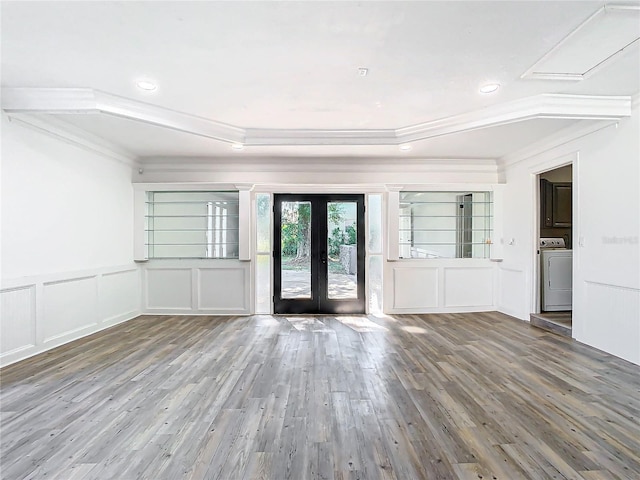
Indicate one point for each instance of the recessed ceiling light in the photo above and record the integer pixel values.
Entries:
(237, 146)
(363, 72)
(405, 147)
(489, 88)
(146, 85)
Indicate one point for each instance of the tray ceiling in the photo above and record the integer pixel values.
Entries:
(272, 68)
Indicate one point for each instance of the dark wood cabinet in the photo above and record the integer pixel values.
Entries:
(556, 211)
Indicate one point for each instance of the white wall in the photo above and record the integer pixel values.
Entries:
(606, 286)
(67, 242)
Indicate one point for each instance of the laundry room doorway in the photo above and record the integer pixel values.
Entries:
(555, 250)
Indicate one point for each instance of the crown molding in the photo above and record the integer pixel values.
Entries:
(349, 188)
(175, 186)
(72, 135)
(163, 117)
(265, 187)
(49, 100)
(553, 106)
(585, 107)
(283, 137)
(85, 100)
(319, 164)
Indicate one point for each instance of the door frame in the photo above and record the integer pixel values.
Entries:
(535, 264)
(319, 303)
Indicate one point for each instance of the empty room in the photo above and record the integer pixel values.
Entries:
(291, 240)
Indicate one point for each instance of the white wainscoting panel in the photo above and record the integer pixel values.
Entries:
(119, 294)
(439, 285)
(43, 312)
(612, 320)
(69, 306)
(168, 288)
(468, 286)
(197, 287)
(512, 288)
(18, 314)
(218, 289)
(415, 287)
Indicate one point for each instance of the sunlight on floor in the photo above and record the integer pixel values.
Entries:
(411, 329)
(266, 321)
(361, 324)
(308, 324)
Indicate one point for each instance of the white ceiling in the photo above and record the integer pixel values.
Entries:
(294, 65)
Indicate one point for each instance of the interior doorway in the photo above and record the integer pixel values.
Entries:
(319, 253)
(555, 251)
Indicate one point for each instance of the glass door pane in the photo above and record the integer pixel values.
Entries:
(342, 261)
(295, 250)
(263, 253)
(319, 261)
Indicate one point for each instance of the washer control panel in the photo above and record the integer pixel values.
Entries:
(552, 243)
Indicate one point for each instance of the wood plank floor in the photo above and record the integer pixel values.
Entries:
(471, 396)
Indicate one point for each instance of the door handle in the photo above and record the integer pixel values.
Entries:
(323, 257)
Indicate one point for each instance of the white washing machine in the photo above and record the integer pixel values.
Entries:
(557, 275)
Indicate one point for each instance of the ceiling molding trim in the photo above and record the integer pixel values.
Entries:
(295, 179)
(89, 101)
(560, 138)
(72, 135)
(585, 107)
(265, 187)
(287, 162)
(175, 186)
(149, 169)
(369, 187)
(553, 106)
(49, 100)
(279, 164)
(163, 117)
(449, 187)
(319, 167)
(285, 137)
